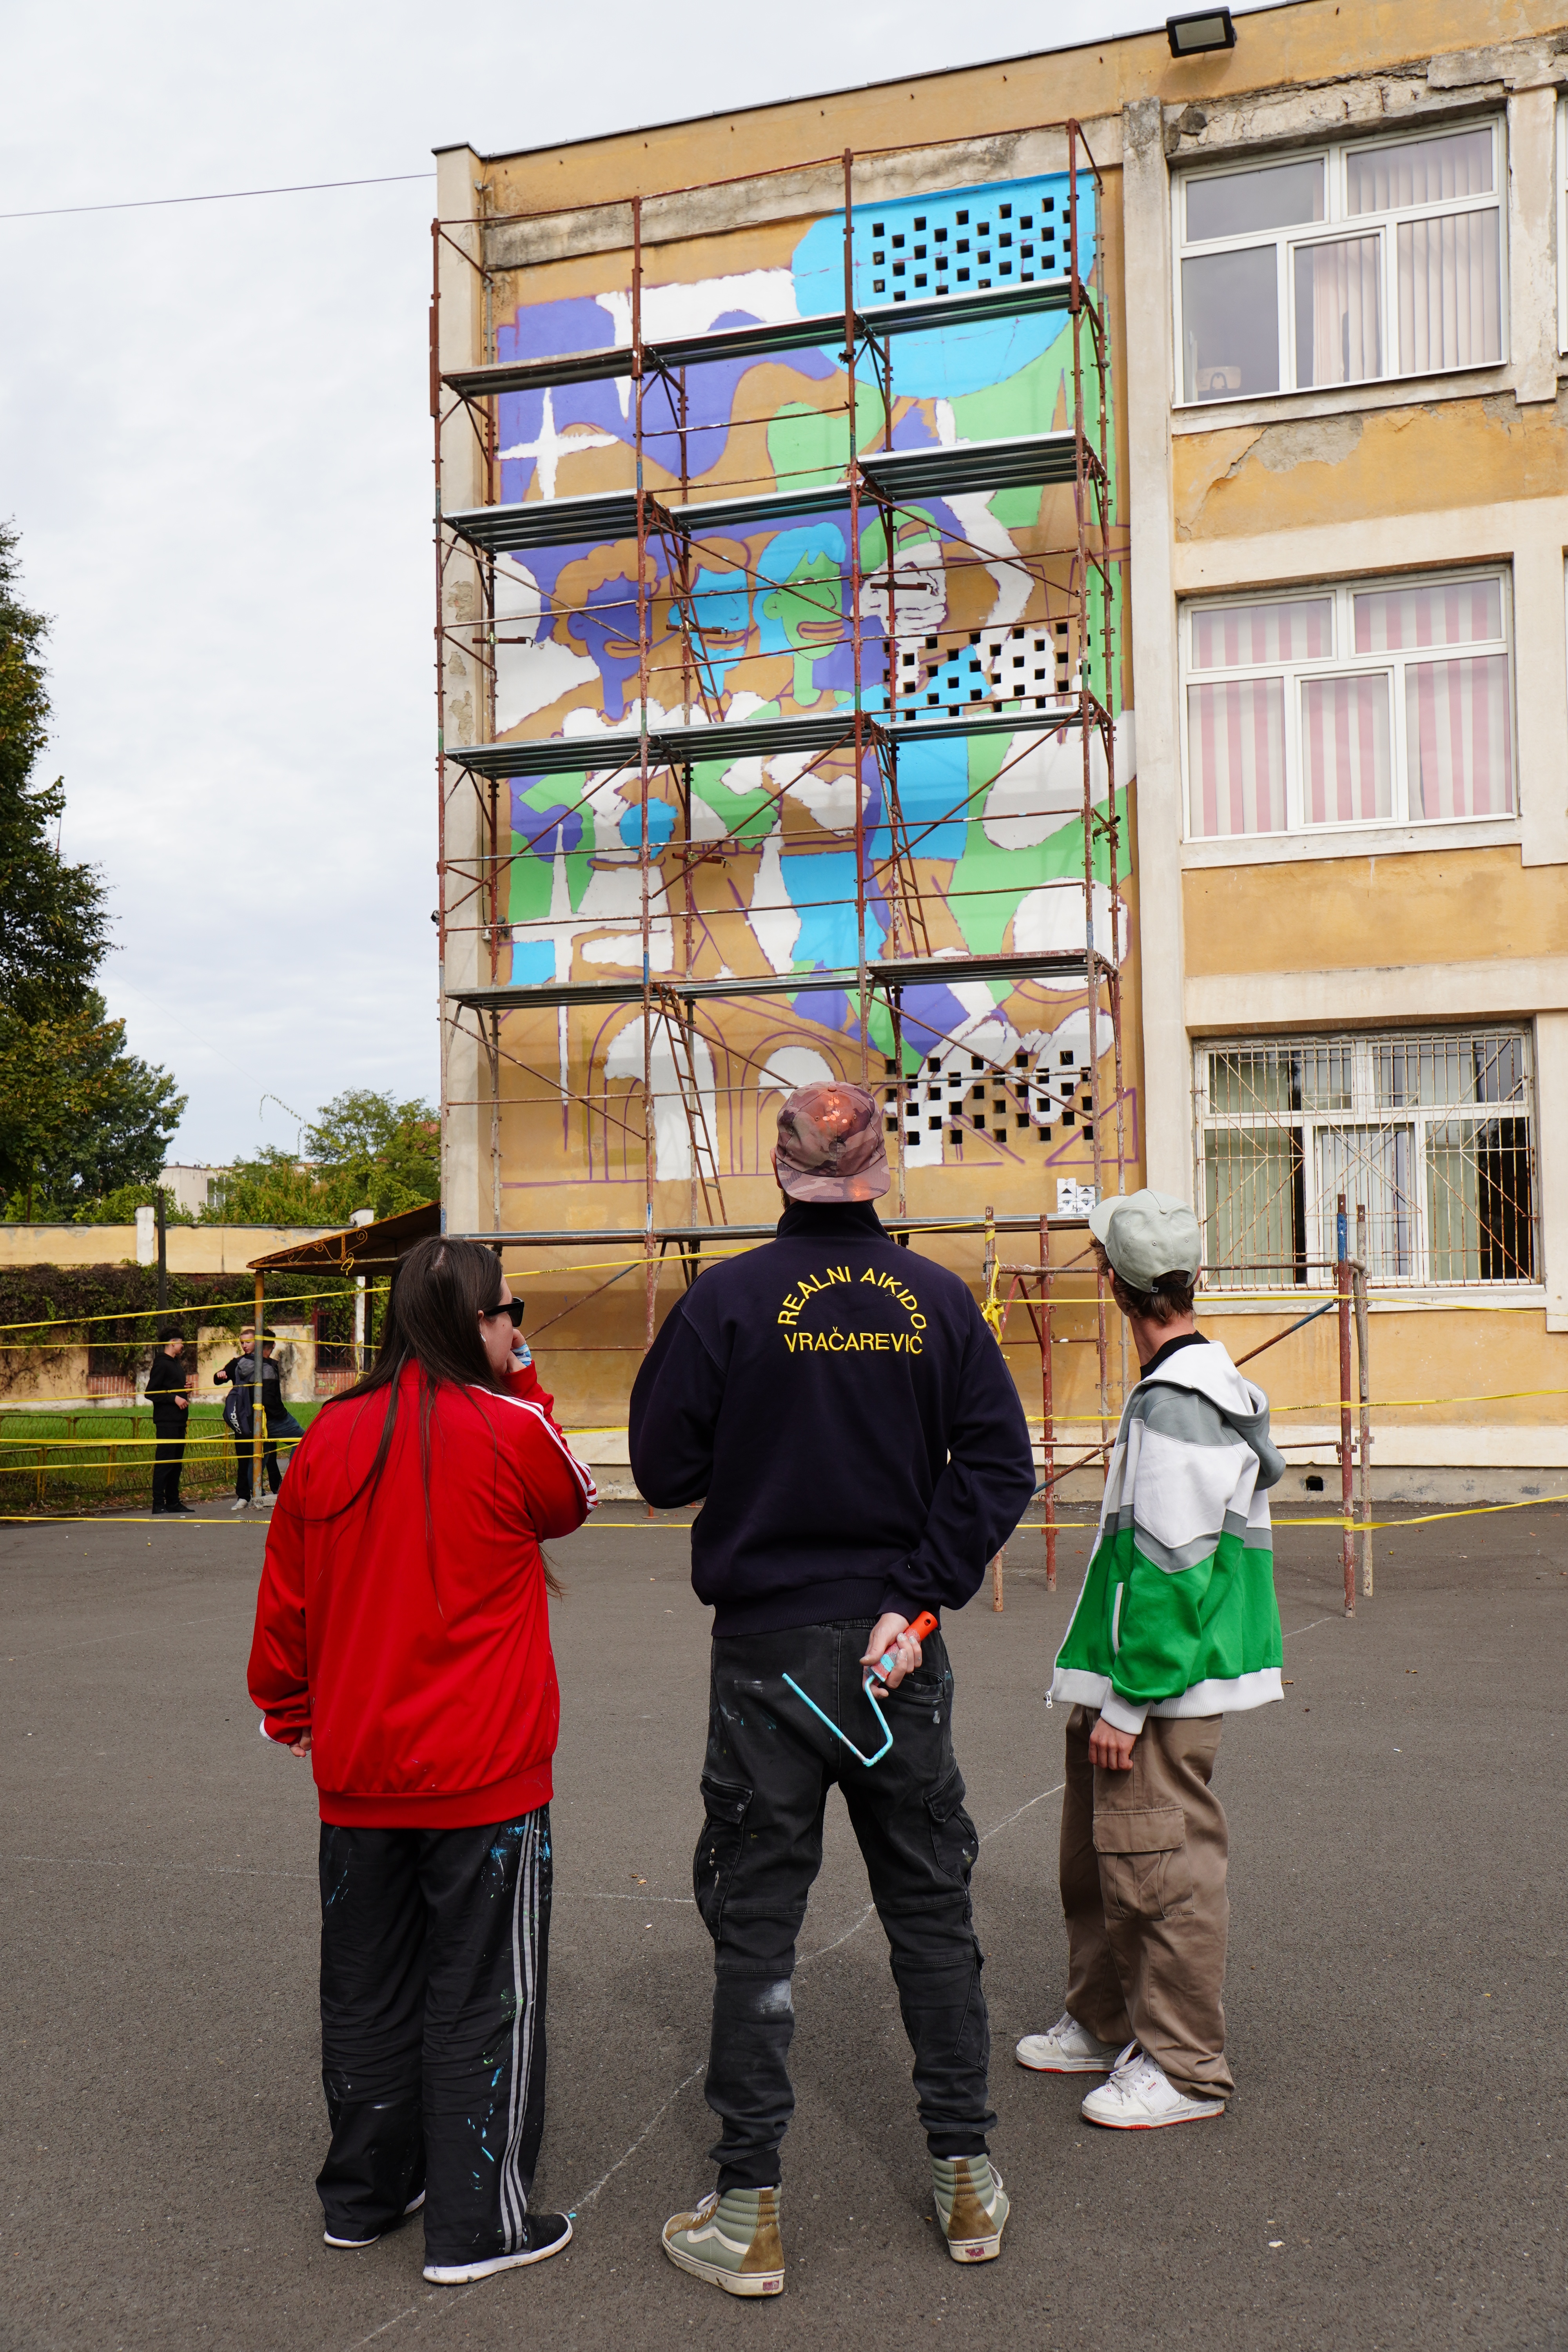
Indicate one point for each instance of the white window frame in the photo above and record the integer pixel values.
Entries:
(1337, 224)
(1563, 226)
(1364, 1117)
(1343, 661)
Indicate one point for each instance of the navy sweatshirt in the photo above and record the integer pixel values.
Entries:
(843, 1407)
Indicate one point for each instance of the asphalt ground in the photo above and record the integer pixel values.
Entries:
(1390, 2172)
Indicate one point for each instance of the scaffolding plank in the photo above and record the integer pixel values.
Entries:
(909, 972)
(611, 1236)
(1030, 459)
(942, 311)
(747, 739)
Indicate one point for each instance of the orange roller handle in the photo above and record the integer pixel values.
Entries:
(924, 1626)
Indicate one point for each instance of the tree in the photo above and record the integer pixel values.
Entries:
(368, 1151)
(81, 1114)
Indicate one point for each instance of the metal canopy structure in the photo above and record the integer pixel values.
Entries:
(943, 691)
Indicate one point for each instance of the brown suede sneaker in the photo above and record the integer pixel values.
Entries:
(732, 2241)
(971, 2206)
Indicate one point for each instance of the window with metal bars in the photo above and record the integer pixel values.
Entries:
(1431, 1132)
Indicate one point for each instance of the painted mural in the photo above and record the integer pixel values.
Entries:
(966, 611)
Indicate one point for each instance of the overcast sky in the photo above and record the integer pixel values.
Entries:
(215, 441)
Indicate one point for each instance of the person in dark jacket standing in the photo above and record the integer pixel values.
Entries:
(167, 1385)
(849, 1419)
(239, 1413)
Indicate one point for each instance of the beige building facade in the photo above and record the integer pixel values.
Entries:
(1324, 885)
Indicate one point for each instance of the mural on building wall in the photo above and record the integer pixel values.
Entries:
(994, 822)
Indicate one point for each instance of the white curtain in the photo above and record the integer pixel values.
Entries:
(1342, 302)
(1450, 308)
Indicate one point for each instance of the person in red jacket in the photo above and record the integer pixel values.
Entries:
(403, 1644)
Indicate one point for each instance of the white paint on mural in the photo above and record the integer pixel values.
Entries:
(773, 918)
(672, 1137)
(1051, 920)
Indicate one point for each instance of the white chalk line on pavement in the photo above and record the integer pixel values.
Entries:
(819, 1954)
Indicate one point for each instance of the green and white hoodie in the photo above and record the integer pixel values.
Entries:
(1177, 1615)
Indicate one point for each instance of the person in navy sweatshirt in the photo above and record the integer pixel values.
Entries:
(847, 1414)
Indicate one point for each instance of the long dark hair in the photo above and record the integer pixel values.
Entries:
(438, 1293)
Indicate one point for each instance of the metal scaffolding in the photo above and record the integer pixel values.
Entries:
(913, 700)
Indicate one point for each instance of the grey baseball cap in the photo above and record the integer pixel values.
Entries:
(1146, 1234)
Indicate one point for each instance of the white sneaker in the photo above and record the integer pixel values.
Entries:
(1069, 2048)
(1141, 2096)
(240, 1506)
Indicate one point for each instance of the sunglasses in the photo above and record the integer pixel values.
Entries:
(514, 1308)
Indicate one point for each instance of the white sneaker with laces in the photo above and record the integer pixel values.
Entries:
(1069, 2048)
(1141, 2096)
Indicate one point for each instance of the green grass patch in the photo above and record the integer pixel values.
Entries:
(65, 1462)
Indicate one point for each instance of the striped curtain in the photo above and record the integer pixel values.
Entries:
(1459, 738)
(1450, 295)
(1235, 736)
(1232, 636)
(1346, 750)
(1401, 620)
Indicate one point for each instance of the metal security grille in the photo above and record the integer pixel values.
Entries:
(1432, 1134)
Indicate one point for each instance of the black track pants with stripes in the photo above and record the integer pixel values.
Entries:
(434, 1944)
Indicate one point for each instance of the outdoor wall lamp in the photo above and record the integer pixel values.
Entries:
(1190, 36)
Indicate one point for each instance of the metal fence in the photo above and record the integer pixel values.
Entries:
(1432, 1132)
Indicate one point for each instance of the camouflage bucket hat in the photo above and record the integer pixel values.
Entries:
(830, 1144)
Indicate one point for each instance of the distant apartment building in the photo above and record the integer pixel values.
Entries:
(1318, 627)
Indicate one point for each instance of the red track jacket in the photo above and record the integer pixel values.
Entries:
(413, 1644)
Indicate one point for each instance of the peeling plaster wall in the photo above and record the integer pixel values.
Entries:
(1416, 460)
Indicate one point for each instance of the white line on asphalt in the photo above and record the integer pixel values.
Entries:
(1335, 1620)
(1008, 1819)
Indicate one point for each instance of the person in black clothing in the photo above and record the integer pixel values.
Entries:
(849, 1419)
(167, 1386)
(239, 1373)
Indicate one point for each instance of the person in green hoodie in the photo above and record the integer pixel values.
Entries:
(1176, 1626)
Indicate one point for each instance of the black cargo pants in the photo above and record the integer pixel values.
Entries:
(769, 1767)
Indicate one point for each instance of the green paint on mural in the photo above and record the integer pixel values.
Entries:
(807, 447)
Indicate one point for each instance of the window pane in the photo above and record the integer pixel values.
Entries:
(1372, 1166)
(1457, 723)
(1231, 321)
(1255, 1081)
(1339, 311)
(1479, 1201)
(1452, 1069)
(1252, 1205)
(1239, 204)
(1450, 311)
(1236, 752)
(1345, 749)
(1234, 637)
(1419, 172)
(1457, 613)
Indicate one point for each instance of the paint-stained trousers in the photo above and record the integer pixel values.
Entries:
(769, 1767)
(434, 1947)
(1144, 1856)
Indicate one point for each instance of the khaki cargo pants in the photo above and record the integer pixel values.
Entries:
(1143, 1876)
